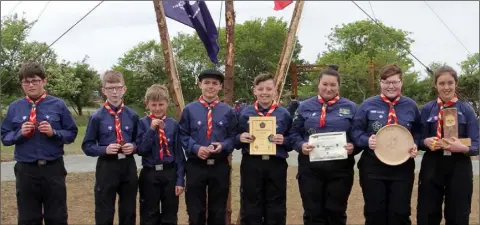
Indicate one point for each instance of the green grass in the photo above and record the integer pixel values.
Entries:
(72, 149)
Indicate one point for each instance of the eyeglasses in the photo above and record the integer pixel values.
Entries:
(33, 82)
(395, 83)
(110, 89)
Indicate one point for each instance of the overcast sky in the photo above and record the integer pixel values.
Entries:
(116, 27)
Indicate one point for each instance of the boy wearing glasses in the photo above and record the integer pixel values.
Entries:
(110, 135)
(39, 125)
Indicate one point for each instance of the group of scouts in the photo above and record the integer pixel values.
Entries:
(197, 147)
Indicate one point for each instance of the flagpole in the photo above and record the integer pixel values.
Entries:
(229, 82)
(288, 48)
(230, 51)
(173, 79)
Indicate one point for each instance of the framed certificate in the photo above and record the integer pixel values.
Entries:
(328, 146)
(263, 128)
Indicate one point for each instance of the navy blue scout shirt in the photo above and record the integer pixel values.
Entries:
(467, 124)
(307, 122)
(372, 115)
(284, 122)
(149, 146)
(101, 130)
(39, 146)
(193, 129)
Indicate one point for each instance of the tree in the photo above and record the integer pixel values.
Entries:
(142, 66)
(75, 83)
(353, 46)
(469, 81)
(15, 49)
(258, 45)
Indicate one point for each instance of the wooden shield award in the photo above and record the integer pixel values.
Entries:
(393, 143)
(450, 128)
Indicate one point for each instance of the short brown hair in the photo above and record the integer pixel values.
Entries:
(332, 70)
(157, 92)
(31, 69)
(262, 77)
(112, 76)
(390, 70)
(445, 69)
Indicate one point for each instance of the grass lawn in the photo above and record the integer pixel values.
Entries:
(72, 149)
(81, 200)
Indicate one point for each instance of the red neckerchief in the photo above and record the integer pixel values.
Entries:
(118, 126)
(332, 101)
(270, 110)
(391, 111)
(33, 112)
(209, 114)
(162, 137)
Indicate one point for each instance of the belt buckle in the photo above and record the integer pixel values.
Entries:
(447, 153)
(159, 167)
(210, 162)
(265, 157)
(42, 162)
(121, 156)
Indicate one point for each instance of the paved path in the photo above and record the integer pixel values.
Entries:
(82, 163)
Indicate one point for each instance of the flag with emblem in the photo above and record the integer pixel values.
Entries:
(195, 14)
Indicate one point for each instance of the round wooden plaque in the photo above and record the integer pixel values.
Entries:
(393, 143)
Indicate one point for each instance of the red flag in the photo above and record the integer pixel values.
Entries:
(279, 5)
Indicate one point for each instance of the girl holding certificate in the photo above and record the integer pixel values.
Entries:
(386, 189)
(324, 185)
(263, 177)
(446, 171)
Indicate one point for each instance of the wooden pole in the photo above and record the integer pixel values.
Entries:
(230, 51)
(294, 80)
(288, 48)
(229, 83)
(173, 79)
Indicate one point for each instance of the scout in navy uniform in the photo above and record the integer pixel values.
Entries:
(324, 185)
(264, 177)
(446, 172)
(39, 125)
(386, 189)
(208, 133)
(162, 179)
(110, 135)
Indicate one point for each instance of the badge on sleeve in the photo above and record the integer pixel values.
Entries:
(345, 111)
(376, 126)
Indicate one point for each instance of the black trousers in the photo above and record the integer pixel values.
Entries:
(41, 187)
(387, 202)
(202, 179)
(324, 194)
(157, 187)
(449, 176)
(263, 190)
(114, 176)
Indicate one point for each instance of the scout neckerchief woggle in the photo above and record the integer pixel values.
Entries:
(323, 116)
(33, 112)
(118, 126)
(391, 111)
(162, 138)
(209, 114)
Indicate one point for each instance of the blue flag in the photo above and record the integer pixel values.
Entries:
(195, 15)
